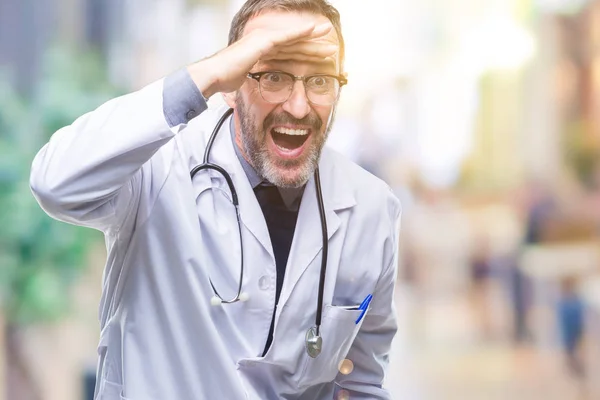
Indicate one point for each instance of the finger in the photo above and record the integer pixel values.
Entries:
(310, 48)
(318, 33)
(321, 30)
(285, 36)
(296, 57)
(305, 33)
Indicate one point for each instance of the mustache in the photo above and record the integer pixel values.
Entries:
(284, 118)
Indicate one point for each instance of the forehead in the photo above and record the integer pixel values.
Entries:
(274, 19)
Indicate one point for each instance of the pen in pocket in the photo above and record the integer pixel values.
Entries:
(364, 306)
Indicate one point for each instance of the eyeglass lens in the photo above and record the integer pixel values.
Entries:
(277, 87)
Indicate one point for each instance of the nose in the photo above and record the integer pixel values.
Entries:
(297, 105)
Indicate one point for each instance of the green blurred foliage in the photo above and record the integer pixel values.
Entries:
(39, 257)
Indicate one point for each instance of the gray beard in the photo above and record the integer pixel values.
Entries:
(254, 142)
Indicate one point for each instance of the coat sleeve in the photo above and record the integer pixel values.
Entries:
(90, 172)
(371, 348)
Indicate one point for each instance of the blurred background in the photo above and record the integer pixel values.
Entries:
(483, 116)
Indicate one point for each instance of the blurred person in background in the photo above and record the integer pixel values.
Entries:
(570, 317)
(174, 242)
(538, 206)
(481, 271)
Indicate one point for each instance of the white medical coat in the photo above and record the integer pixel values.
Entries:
(121, 169)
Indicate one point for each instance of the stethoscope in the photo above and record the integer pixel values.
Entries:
(314, 341)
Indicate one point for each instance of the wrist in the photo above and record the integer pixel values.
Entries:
(204, 77)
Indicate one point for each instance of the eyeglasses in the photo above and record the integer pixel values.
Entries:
(277, 86)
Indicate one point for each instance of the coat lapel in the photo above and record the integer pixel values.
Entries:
(308, 239)
(223, 154)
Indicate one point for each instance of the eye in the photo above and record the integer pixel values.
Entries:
(321, 84)
(272, 77)
(319, 81)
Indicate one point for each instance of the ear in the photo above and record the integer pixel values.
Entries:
(230, 98)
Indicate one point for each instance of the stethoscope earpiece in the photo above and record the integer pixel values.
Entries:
(215, 301)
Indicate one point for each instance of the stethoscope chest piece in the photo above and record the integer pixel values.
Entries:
(314, 342)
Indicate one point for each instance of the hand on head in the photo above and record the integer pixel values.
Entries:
(226, 71)
(315, 46)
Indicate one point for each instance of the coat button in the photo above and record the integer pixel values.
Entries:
(343, 395)
(264, 283)
(346, 367)
(191, 114)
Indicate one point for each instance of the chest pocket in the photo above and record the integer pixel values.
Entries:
(338, 330)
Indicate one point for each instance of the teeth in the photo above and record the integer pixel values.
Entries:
(293, 132)
(282, 148)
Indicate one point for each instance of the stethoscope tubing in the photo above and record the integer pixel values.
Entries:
(325, 251)
(207, 165)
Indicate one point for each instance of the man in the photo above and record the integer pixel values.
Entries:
(125, 169)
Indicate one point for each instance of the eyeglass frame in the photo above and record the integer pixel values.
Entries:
(304, 78)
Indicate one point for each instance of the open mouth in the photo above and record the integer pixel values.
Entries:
(289, 140)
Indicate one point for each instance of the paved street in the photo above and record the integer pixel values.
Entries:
(447, 349)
